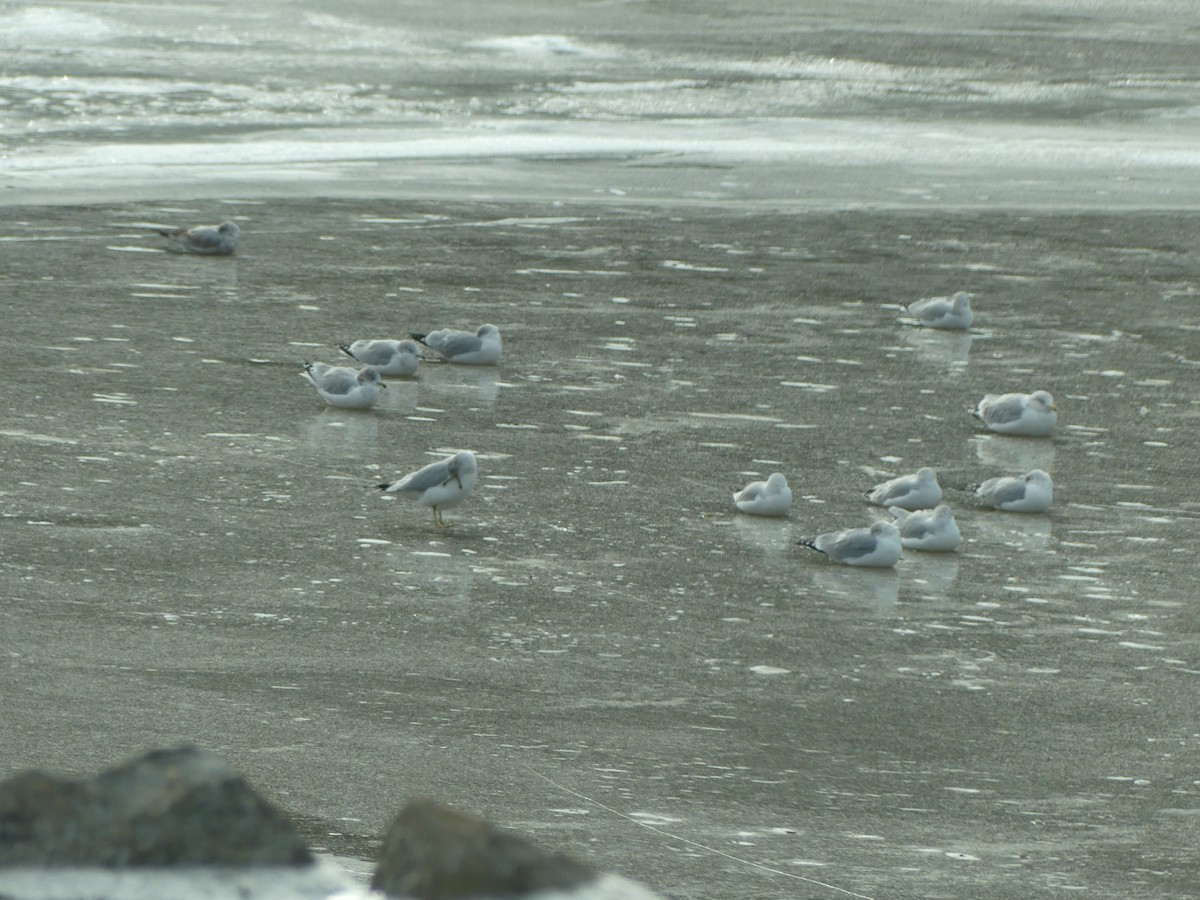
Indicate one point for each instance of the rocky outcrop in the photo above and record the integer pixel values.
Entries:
(179, 807)
(435, 853)
(180, 824)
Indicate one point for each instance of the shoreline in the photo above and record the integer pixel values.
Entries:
(802, 164)
(239, 190)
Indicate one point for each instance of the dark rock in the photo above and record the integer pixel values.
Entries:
(180, 807)
(435, 853)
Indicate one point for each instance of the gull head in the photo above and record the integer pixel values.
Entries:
(370, 375)
(462, 463)
(1043, 398)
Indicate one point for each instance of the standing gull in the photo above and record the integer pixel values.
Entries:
(949, 313)
(1030, 493)
(389, 357)
(917, 491)
(210, 240)
(772, 497)
(439, 485)
(927, 529)
(344, 387)
(1030, 415)
(877, 546)
(479, 349)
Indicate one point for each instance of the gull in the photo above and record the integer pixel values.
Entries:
(772, 497)
(439, 485)
(389, 357)
(211, 240)
(927, 529)
(877, 546)
(1030, 415)
(343, 386)
(1032, 493)
(479, 349)
(917, 491)
(950, 313)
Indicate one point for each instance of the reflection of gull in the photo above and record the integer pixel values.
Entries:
(771, 535)
(772, 497)
(332, 433)
(953, 313)
(932, 575)
(927, 529)
(997, 451)
(1030, 493)
(402, 395)
(479, 349)
(1030, 415)
(488, 384)
(439, 485)
(1017, 532)
(212, 240)
(456, 379)
(389, 357)
(948, 348)
(880, 590)
(917, 491)
(877, 546)
(344, 387)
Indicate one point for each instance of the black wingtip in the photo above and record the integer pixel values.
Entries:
(810, 544)
(345, 348)
(418, 337)
(384, 486)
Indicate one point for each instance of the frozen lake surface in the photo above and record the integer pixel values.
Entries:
(600, 645)
(696, 234)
